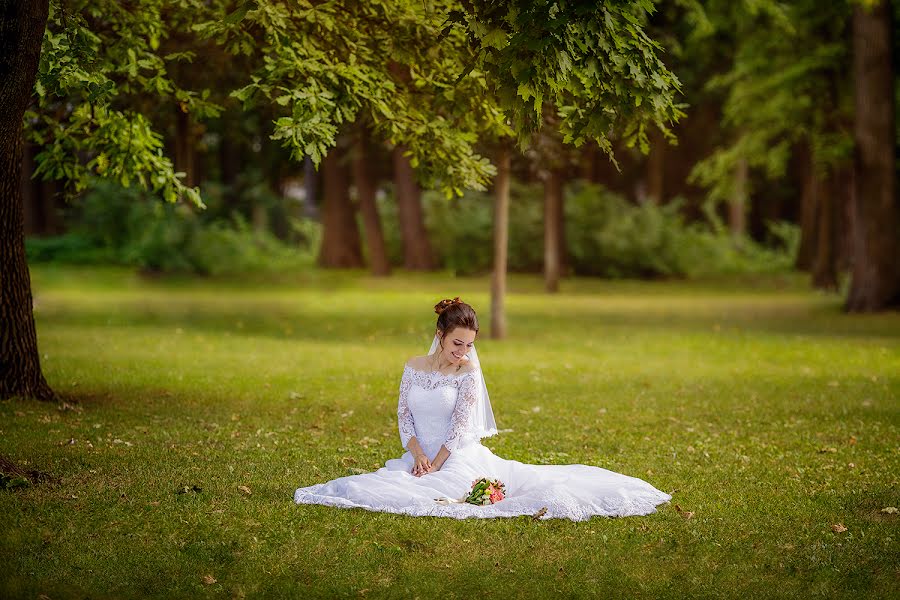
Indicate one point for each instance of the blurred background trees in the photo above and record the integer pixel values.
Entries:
(369, 135)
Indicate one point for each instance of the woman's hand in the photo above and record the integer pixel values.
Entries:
(422, 466)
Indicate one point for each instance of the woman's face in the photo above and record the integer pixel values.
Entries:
(455, 344)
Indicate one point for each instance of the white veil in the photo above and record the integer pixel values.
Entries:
(482, 416)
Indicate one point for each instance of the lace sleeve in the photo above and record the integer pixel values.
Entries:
(404, 416)
(461, 420)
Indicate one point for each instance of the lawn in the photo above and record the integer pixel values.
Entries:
(771, 417)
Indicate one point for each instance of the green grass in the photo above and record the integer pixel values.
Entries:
(762, 408)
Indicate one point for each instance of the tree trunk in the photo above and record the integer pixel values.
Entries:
(737, 205)
(553, 189)
(311, 199)
(21, 32)
(875, 276)
(809, 192)
(501, 244)
(417, 254)
(259, 214)
(184, 146)
(824, 267)
(656, 166)
(340, 234)
(365, 195)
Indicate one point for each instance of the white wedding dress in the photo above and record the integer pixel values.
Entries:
(437, 409)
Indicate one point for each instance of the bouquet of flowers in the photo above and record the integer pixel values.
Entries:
(486, 491)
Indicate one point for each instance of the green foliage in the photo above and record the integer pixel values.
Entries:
(99, 64)
(606, 236)
(325, 65)
(787, 84)
(114, 225)
(609, 237)
(594, 63)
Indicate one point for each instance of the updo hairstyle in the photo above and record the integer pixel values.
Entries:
(455, 313)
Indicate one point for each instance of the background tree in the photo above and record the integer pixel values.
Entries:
(875, 281)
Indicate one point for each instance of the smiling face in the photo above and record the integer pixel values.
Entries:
(455, 344)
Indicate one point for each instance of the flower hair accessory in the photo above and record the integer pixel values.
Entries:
(445, 304)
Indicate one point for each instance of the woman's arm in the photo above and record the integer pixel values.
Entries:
(439, 459)
(407, 428)
(460, 421)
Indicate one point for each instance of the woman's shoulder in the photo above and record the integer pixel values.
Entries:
(419, 363)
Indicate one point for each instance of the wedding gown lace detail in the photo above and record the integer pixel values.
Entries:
(436, 408)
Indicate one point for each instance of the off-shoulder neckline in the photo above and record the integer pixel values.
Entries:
(414, 370)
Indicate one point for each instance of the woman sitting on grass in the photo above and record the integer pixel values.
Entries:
(443, 412)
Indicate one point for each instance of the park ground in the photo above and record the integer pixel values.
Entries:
(195, 408)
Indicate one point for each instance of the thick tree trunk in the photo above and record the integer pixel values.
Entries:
(365, 194)
(553, 191)
(417, 253)
(875, 279)
(340, 234)
(21, 31)
(501, 244)
(737, 205)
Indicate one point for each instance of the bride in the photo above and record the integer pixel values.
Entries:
(443, 413)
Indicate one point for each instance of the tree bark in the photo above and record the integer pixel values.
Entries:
(824, 267)
(656, 167)
(501, 244)
(809, 192)
(365, 194)
(875, 275)
(737, 206)
(553, 190)
(417, 253)
(21, 32)
(340, 234)
(184, 146)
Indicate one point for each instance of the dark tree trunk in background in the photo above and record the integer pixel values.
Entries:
(311, 186)
(184, 146)
(21, 32)
(501, 244)
(340, 234)
(656, 167)
(824, 266)
(417, 254)
(875, 277)
(810, 186)
(737, 205)
(365, 194)
(553, 191)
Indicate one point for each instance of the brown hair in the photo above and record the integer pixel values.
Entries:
(455, 313)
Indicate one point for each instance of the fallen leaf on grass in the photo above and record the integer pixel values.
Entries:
(209, 579)
(827, 450)
(889, 510)
(245, 489)
(536, 516)
(838, 528)
(684, 513)
(189, 488)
